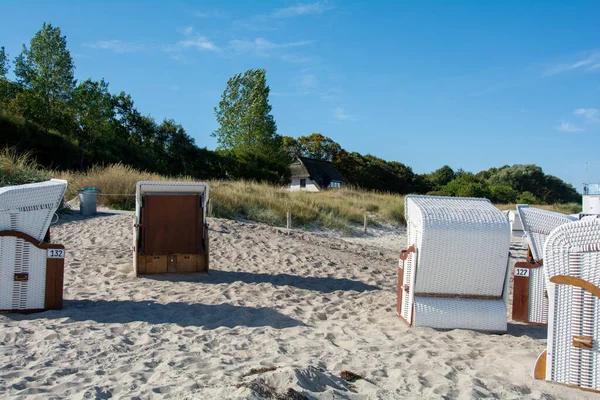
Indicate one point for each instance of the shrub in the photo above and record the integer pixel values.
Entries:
(527, 198)
(503, 194)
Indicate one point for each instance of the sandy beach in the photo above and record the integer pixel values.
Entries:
(303, 305)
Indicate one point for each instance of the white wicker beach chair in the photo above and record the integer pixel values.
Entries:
(31, 271)
(572, 267)
(170, 229)
(530, 302)
(29, 208)
(454, 273)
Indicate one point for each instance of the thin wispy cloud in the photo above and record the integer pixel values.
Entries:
(199, 42)
(263, 47)
(565, 126)
(210, 14)
(274, 19)
(117, 46)
(306, 83)
(588, 62)
(301, 9)
(341, 115)
(590, 114)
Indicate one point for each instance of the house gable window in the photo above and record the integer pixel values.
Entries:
(302, 183)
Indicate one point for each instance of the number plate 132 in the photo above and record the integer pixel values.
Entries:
(56, 253)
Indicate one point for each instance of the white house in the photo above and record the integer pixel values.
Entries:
(313, 175)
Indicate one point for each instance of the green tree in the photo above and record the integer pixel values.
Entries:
(93, 104)
(466, 185)
(527, 198)
(318, 146)
(503, 194)
(291, 147)
(244, 115)
(441, 176)
(46, 69)
(3, 63)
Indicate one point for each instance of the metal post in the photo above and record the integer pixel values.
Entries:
(289, 220)
(365, 227)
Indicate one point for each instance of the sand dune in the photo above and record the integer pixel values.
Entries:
(309, 304)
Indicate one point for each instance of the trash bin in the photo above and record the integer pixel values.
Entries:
(87, 201)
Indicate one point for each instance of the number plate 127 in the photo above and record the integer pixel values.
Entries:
(521, 271)
(56, 253)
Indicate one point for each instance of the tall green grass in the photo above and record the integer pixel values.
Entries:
(19, 168)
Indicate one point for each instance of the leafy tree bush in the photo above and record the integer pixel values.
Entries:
(503, 194)
(466, 185)
(527, 198)
(441, 176)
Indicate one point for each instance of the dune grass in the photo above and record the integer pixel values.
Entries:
(566, 208)
(334, 209)
(342, 209)
(19, 168)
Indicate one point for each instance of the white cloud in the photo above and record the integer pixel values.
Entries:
(301, 9)
(590, 62)
(262, 46)
(199, 42)
(591, 114)
(568, 127)
(187, 31)
(340, 114)
(118, 46)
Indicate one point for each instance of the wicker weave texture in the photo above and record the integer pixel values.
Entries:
(461, 250)
(20, 257)
(463, 245)
(538, 224)
(451, 313)
(538, 302)
(573, 250)
(30, 208)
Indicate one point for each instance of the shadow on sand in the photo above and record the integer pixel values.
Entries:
(324, 285)
(208, 316)
(533, 331)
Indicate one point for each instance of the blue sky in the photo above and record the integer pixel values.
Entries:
(464, 83)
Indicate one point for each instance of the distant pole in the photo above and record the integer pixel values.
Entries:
(365, 226)
(289, 220)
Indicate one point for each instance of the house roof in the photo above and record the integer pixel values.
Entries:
(321, 172)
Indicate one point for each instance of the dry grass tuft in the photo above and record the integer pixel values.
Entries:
(19, 168)
(256, 371)
(350, 376)
(566, 208)
(334, 209)
(341, 209)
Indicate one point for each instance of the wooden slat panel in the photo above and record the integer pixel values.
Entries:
(55, 271)
(520, 305)
(156, 264)
(170, 224)
(50, 282)
(400, 290)
(58, 287)
(188, 263)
